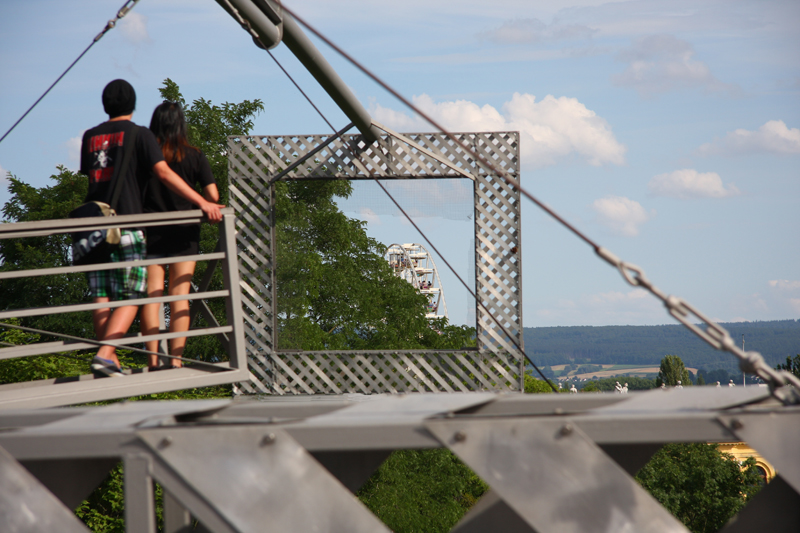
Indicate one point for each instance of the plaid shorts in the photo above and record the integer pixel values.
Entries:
(122, 283)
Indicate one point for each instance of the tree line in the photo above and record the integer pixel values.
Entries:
(646, 345)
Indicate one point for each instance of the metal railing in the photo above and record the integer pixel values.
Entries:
(81, 389)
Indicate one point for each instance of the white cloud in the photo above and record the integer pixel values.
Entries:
(550, 129)
(662, 63)
(370, 216)
(622, 215)
(3, 176)
(134, 28)
(773, 137)
(689, 183)
(780, 300)
(531, 30)
(74, 151)
(784, 284)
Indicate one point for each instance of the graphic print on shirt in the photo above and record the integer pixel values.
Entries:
(99, 146)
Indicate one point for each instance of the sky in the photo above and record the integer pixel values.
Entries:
(668, 131)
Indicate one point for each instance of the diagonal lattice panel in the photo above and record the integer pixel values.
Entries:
(498, 247)
(255, 162)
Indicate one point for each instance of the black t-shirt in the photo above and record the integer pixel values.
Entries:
(193, 168)
(170, 241)
(102, 152)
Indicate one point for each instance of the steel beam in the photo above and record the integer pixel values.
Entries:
(491, 513)
(252, 476)
(775, 436)
(71, 481)
(553, 476)
(140, 516)
(775, 509)
(26, 506)
(177, 518)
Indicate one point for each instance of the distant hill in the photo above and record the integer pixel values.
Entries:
(646, 345)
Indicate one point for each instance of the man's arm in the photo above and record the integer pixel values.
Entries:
(174, 183)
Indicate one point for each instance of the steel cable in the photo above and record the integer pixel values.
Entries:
(126, 7)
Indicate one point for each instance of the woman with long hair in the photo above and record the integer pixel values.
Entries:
(169, 126)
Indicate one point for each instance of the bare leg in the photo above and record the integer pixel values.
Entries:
(100, 318)
(117, 326)
(180, 277)
(151, 319)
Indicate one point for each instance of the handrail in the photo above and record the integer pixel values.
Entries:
(85, 389)
(61, 309)
(12, 230)
(13, 274)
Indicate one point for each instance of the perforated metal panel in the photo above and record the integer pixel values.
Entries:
(256, 162)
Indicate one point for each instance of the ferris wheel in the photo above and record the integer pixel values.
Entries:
(413, 263)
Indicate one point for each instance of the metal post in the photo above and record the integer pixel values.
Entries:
(177, 518)
(139, 505)
(233, 304)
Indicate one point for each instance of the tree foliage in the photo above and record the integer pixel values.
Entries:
(634, 383)
(335, 289)
(672, 371)
(699, 485)
(422, 490)
(29, 204)
(535, 386)
(792, 365)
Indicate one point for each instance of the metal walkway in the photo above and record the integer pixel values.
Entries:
(555, 462)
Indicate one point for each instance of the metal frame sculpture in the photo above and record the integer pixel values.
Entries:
(256, 162)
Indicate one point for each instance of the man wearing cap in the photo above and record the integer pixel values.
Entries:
(101, 157)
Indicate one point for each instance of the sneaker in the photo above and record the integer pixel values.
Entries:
(105, 368)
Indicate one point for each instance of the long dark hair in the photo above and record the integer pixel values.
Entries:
(169, 126)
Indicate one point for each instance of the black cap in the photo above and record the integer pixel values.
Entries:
(119, 98)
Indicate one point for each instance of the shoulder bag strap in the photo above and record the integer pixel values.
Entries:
(126, 157)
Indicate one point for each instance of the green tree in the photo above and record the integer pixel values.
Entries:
(422, 490)
(792, 365)
(28, 204)
(672, 371)
(335, 289)
(634, 383)
(533, 385)
(591, 386)
(699, 485)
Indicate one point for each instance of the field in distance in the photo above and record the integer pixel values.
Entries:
(607, 371)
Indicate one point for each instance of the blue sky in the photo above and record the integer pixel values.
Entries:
(668, 131)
